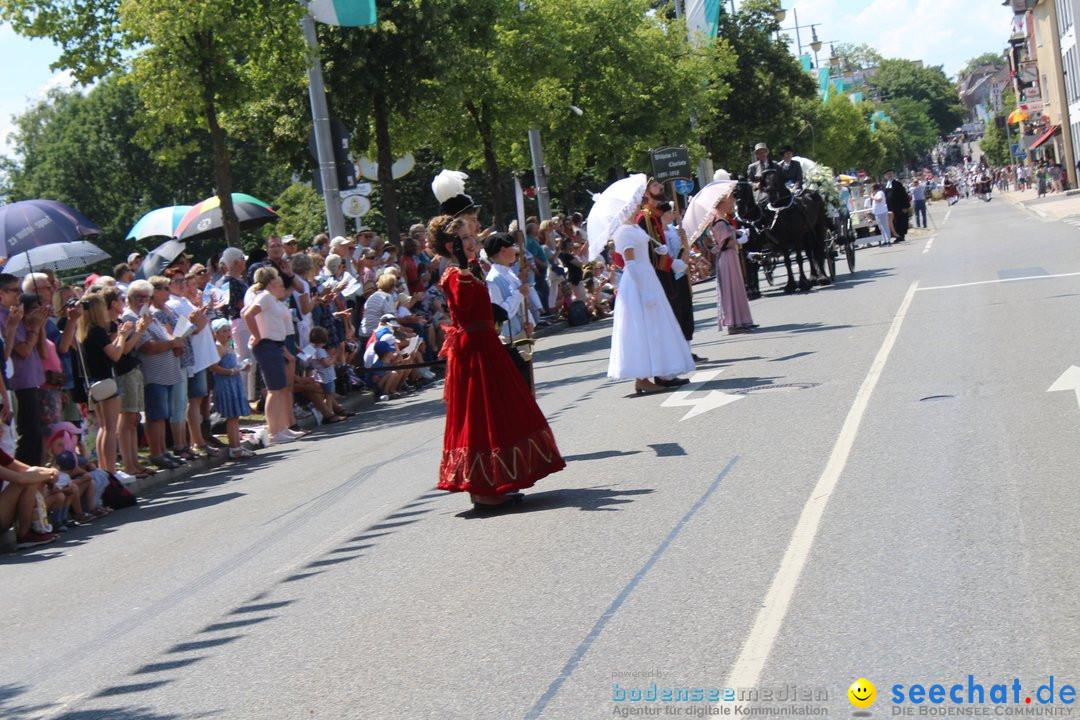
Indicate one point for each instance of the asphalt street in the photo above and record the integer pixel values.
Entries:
(876, 483)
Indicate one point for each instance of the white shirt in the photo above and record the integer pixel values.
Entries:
(203, 347)
(274, 319)
(879, 203)
(512, 303)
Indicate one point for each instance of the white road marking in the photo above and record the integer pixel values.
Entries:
(1069, 380)
(929, 244)
(947, 214)
(713, 400)
(999, 280)
(759, 643)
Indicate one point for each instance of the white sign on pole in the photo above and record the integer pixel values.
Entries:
(355, 206)
(363, 188)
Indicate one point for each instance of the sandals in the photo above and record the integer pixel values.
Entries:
(647, 387)
(334, 419)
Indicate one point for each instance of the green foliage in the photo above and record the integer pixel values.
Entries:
(987, 58)
(843, 140)
(897, 78)
(81, 150)
(857, 56)
(767, 87)
(88, 32)
(302, 213)
(995, 144)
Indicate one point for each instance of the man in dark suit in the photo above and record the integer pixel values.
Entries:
(756, 171)
(899, 202)
(790, 169)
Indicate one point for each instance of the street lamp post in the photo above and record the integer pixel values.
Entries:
(814, 45)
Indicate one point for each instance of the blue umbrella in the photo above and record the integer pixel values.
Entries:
(158, 223)
(160, 258)
(31, 223)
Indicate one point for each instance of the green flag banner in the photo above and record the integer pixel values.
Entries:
(346, 13)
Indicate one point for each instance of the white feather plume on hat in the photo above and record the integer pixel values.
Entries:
(448, 184)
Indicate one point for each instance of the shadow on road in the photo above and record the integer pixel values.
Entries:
(585, 499)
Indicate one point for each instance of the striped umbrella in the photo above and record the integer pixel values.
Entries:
(204, 219)
(158, 223)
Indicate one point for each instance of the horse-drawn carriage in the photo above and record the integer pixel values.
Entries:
(812, 222)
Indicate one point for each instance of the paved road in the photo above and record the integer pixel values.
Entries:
(875, 484)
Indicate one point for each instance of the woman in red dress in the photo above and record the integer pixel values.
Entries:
(497, 440)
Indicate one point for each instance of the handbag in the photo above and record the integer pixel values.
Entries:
(102, 389)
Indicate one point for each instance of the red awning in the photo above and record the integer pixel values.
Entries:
(1046, 136)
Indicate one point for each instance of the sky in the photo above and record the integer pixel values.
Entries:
(938, 32)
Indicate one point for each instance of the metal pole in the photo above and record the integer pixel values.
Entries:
(543, 198)
(335, 221)
(678, 10)
(798, 39)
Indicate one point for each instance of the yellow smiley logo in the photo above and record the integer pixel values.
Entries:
(862, 693)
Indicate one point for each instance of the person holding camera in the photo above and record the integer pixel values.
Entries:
(103, 345)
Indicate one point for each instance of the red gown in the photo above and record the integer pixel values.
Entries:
(497, 439)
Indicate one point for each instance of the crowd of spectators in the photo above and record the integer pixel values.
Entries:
(95, 372)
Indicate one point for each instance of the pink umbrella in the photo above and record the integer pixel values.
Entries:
(699, 212)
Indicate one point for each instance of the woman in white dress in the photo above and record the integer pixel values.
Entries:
(646, 340)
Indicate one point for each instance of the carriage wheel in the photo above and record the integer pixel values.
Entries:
(830, 254)
(849, 253)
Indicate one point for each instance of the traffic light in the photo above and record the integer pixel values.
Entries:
(346, 169)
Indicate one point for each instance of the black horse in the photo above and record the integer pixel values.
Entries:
(784, 223)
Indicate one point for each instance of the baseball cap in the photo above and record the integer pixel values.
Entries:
(364, 229)
(218, 324)
(339, 241)
(288, 240)
(382, 347)
(389, 319)
(133, 257)
(90, 280)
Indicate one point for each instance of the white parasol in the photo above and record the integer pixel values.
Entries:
(611, 208)
(58, 256)
(699, 211)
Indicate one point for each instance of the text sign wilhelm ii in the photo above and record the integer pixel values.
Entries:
(671, 163)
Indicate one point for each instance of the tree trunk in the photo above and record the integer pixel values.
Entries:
(386, 163)
(222, 170)
(481, 117)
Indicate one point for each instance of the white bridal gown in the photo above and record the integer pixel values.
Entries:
(646, 341)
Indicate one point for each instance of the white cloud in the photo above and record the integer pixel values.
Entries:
(938, 32)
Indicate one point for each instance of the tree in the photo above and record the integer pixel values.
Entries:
(994, 59)
(88, 32)
(71, 136)
(202, 59)
(857, 56)
(843, 134)
(897, 78)
(376, 75)
(302, 212)
(764, 102)
(994, 143)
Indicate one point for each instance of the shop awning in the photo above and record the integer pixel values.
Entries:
(1045, 136)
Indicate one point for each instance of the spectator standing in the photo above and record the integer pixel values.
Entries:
(130, 379)
(269, 321)
(234, 288)
(881, 212)
(159, 353)
(28, 374)
(230, 400)
(203, 354)
(102, 348)
(918, 200)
